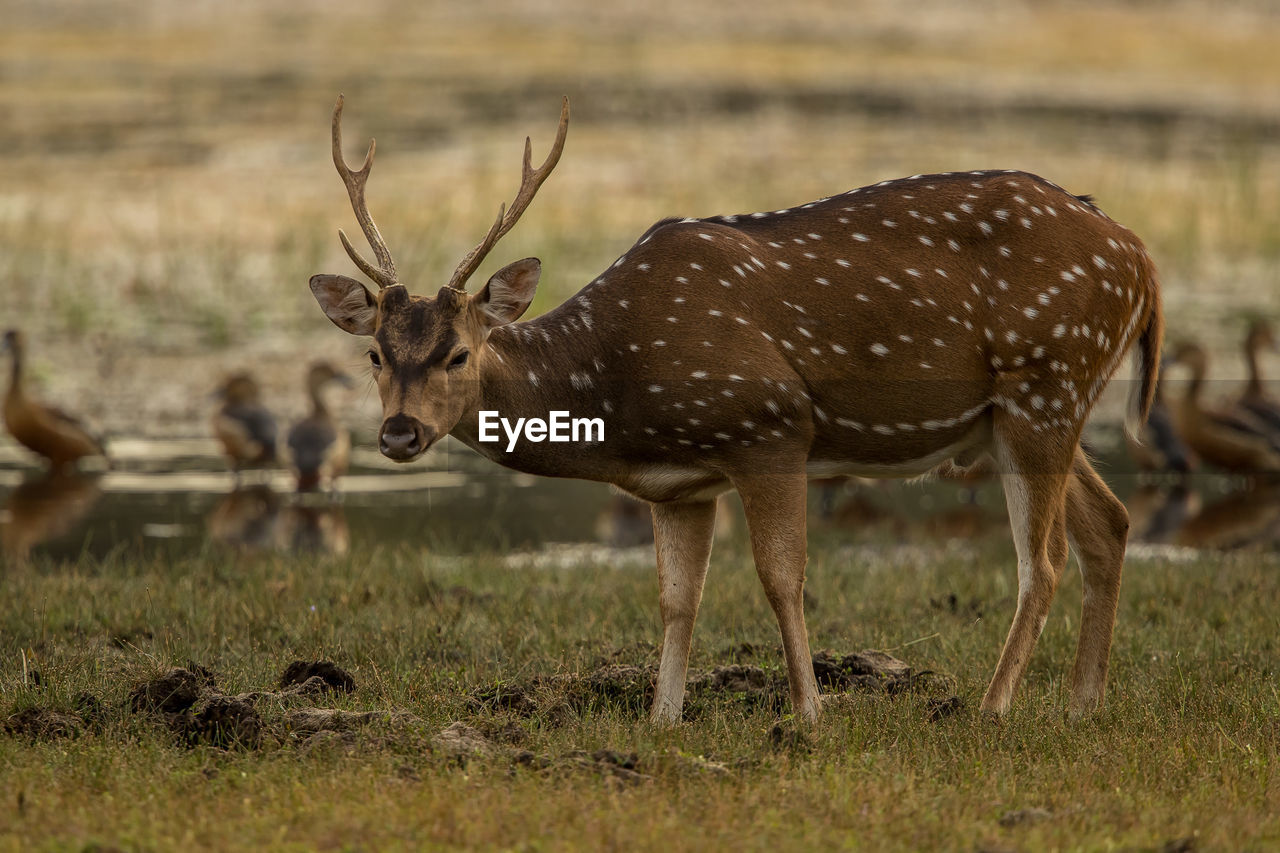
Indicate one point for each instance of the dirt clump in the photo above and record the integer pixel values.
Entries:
(222, 721)
(333, 676)
(171, 693)
(622, 685)
(39, 723)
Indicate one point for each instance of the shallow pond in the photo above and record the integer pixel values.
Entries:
(175, 497)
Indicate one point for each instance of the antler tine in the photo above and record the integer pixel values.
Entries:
(530, 180)
(385, 272)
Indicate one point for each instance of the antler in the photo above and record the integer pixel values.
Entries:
(385, 272)
(530, 181)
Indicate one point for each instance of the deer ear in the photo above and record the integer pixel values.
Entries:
(346, 302)
(509, 292)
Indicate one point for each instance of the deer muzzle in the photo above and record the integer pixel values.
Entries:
(404, 438)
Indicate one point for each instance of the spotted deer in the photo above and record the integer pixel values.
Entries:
(887, 331)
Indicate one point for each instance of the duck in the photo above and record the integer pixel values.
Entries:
(244, 426)
(319, 446)
(50, 432)
(1228, 439)
(1255, 400)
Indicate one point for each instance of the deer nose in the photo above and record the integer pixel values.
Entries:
(404, 438)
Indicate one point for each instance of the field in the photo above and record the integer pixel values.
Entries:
(1184, 756)
(166, 191)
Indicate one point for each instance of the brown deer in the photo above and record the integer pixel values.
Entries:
(885, 331)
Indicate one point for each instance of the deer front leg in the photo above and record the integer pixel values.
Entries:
(682, 534)
(775, 508)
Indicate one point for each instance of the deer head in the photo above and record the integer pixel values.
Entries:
(426, 352)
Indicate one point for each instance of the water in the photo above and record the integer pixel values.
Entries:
(175, 497)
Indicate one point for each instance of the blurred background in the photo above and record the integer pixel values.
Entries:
(166, 190)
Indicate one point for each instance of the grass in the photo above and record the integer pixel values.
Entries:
(1185, 748)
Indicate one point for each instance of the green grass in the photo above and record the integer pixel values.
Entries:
(1186, 746)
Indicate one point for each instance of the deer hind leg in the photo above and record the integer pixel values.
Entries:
(1098, 526)
(682, 534)
(1033, 470)
(775, 510)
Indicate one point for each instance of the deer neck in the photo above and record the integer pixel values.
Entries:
(530, 370)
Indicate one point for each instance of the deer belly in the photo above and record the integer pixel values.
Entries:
(896, 452)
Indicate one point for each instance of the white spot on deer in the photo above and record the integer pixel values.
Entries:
(706, 236)
(533, 377)
(822, 281)
(699, 374)
(842, 262)
(888, 223)
(659, 343)
(1030, 312)
(848, 424)
(880, 349)
(672, 320)
(838, 350)
(906, 339)
(925, 240)
(695, 266)
(913, 272)
(783, 264)
(883, 429)
(741, 321)
(985, 227)
(861, 238)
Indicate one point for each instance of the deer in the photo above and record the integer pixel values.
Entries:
(930, 322)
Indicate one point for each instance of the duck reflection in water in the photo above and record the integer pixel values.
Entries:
(254, 518)
(1176, 515)
(45, 508)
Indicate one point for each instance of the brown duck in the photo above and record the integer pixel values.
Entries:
(319, 446)
(245, 427)
(1229, 439)
(50, 432)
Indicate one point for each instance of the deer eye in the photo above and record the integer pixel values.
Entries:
(458, 360)
(374, 360)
